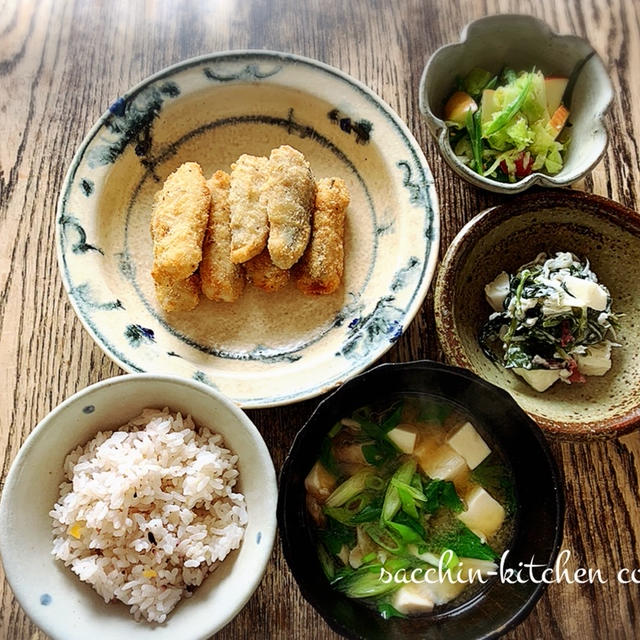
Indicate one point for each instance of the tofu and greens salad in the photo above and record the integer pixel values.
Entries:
(552, 321)
(509, 125)
(404, 489)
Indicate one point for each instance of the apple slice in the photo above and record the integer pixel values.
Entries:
(554, 87)
(488, 105)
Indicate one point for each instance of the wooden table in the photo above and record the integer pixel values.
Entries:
(62, 64)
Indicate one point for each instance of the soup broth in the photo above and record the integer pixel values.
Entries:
(412, 505)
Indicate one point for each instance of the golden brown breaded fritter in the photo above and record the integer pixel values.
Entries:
(179, 295)
(289, 192)
(221, 280)
(178, 223)
(249, 224)
(262, 273)
(321, 267)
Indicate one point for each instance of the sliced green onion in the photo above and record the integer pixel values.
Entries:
(335, 430)
(349, 488)
(474, 129)
(393, 420)
(365, 584)
(375, 482)
(407, 534)
(407, 502)
(392, 499)
(326, 562)
(414, 493)
(386, 539)
(505, 117)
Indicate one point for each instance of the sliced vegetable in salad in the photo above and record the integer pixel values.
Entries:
(433, 495)
(508, 125)
(553, 321)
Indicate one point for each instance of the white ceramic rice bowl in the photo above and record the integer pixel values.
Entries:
(50, 593)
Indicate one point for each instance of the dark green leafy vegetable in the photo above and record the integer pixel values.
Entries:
(533, 338)
(441, 493)
(436, 411)
(393, 420)
(327, 459)
(326, 562)
(463, 542)
(496, 479)
(387, 611)
(413, 523)
(378, 453)
(337, 534)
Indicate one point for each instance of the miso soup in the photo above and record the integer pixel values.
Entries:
(412, 505)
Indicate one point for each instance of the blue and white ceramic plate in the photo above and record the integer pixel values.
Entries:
(266, 349)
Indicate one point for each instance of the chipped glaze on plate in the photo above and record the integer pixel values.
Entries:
(265, 349)
(507, 236)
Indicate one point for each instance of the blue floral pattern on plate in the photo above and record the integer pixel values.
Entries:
(261, 351)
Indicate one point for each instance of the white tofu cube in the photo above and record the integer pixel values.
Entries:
(442, 463)
(539, 379)
(483, 512)
(497, 291)
(410, 598)
(319, 482)
(472, 568)
(591, 294)
(441, 592)
(404, 437)
(597, 360)
(466, 441)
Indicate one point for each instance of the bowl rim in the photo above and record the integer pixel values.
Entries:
(444, 294)
(439, 130)
(268, 530)
(556, 474)
(430, 264)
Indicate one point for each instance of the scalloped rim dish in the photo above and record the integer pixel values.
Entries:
(597, 92)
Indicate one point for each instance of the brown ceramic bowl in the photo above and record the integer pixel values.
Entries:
(509, 235)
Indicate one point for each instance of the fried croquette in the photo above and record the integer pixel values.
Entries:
(320, 268)
(249, 223)
(178, 223)
(179, 295)
(289, 192)
(221, 280)
(262, 273)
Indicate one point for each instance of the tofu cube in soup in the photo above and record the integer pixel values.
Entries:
(404, 437)
(442, 462)
(411, 598)
(483, 514)
(319, 482)
(467, 442)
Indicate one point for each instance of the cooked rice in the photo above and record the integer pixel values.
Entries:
(147, 511)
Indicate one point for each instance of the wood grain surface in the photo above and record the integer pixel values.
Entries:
(62, 63)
